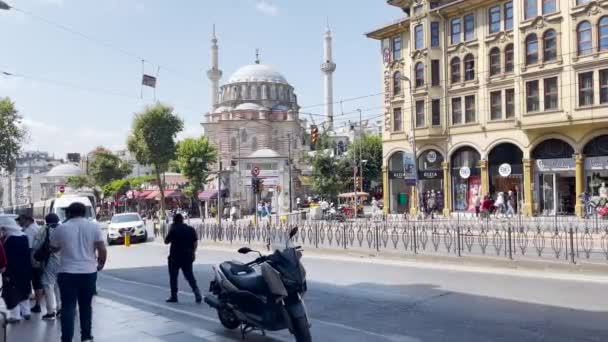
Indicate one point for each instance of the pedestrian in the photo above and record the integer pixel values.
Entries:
(182, 254)
(298, 203)
(500, 204)
(477, 203)
(431, 204)
(511, 203)
(31, 230)
(17, 276)
(233, 213)
(50, 266)
(83, 254)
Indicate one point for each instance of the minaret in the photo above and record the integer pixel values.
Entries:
(214, 73)
(328, 67)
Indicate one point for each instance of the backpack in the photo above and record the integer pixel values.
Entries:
(43, 254)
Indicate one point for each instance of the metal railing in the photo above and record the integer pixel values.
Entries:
(566, 239)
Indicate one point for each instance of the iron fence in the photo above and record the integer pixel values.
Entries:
(571, 240)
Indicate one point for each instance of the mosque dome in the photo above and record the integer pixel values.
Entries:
(65, 170)
(257, 73)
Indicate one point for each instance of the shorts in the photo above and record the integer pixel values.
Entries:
(37, 279)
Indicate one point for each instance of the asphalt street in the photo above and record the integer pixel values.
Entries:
(371, 300)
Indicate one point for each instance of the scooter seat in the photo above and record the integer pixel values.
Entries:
(244, 277)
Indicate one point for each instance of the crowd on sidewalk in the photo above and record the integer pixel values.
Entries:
(55, 265)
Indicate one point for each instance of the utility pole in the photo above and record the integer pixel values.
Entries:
(361, 147)
(289, 163)
(219, 189)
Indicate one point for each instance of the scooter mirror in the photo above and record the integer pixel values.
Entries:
(245, 250)
(293, 232)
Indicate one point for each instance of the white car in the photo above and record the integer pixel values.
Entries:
(131, 223)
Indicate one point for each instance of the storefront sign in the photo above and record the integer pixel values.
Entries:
(504, 170)
(430, 174)
(596, 163)
(431, 156)
(387, 97)
(553, 165)
(409, 167)
(465, 172)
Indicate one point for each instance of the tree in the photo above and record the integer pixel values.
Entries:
(330, 174)
(12, 134)
(368, 148)
(152, 140)
(106, 167)
(78, 182)
(194, 158)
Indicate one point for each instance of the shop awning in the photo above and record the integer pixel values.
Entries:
(152, 195)
(172, 194)
(144, 193)
(206, 195)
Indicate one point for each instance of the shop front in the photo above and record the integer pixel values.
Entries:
(430, 176)
(596, 166)
(400, 174)
(506, 171)
(554, 178)
(466, 180)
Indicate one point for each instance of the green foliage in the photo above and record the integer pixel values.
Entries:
(174, 166)
(331, 175)
(78, 182)
(152, 140)
(119, 187)
(195, 156)
(106, 167)
(12, 135)
(368, 148)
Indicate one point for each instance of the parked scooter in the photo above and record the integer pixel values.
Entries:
(266, 299)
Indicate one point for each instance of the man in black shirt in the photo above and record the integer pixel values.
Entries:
(182, 253)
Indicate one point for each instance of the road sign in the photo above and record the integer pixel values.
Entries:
(62, 188)
(255, 171)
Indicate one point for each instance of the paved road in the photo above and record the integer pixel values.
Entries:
(350, 300)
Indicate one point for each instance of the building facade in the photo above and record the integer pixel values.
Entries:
(254, 122)
(496, 96)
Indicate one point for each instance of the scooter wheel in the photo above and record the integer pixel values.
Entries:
(228, 319)
(301, 330)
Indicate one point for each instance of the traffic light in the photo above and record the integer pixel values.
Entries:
(314, 135)
(254, 185)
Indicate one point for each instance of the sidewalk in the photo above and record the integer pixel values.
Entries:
(113, 322)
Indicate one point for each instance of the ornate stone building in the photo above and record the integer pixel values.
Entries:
(254, 121)
(493, 96)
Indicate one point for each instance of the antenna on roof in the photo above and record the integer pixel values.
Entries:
(257, 56)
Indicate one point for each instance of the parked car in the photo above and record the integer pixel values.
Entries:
(127, 223)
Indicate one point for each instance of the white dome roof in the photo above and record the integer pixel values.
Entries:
(222, 109)
(264, 153)
(248, 106)
(65, 170)
(257, 73)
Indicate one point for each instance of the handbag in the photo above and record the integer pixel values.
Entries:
(43, 254)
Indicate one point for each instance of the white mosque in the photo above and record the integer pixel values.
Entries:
(254, 121)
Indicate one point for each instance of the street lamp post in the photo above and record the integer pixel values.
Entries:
(413, 137)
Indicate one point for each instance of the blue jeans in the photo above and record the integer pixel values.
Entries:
(76, 289)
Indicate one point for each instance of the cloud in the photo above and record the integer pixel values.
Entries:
(267, 7)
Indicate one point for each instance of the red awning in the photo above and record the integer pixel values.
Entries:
(207, 195)
(173, 194)
(152, 195)
(144, 193)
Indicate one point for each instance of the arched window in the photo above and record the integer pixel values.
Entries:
(397, 83)
(494, 61)
(549, 45)
(531, 49)
(583, 38)
(419, 74)
(509, 58)
(603, 33)
(469, 67)
(455, 70)
(233, 144)
(254, 144)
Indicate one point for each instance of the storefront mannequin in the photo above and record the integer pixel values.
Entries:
(603, 191)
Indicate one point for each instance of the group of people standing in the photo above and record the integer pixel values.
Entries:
(59, 258)
(504, 205)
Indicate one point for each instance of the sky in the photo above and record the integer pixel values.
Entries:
(79, 88)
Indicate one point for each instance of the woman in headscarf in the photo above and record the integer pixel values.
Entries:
(17, 279)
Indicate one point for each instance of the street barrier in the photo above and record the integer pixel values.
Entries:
(572, 240)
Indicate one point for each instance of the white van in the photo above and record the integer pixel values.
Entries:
(59, 206)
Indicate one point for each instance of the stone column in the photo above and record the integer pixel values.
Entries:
(580, 183)
(385, 190)
(527, 194)
(447, 194)
(485, 178)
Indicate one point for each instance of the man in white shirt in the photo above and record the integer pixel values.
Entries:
(31, 230)
(83, 253)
